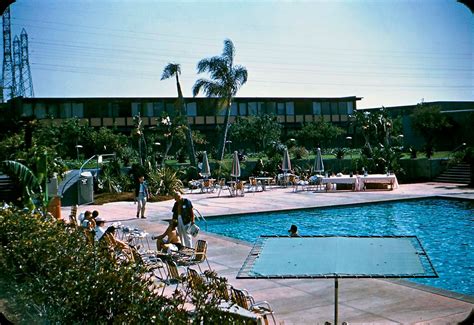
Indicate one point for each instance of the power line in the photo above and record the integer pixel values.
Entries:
(139, 35)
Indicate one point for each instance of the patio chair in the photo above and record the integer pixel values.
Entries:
(195, 256)
(152, 263)
(261, 308)
(195, 280)
(173, 277)
(73, 216)
(207, 185)
(254, 184)
(223, 186)
(194, 185)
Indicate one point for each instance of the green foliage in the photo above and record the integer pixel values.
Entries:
(382, 149)
(339, 153)
(255, 132)
(29, 183)
(299, 152)
(430, 123)
(55, 276)
(164, 181)
(64, 137)
(316, 134)
(10, 146)
(110, 177)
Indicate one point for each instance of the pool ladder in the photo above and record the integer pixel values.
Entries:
(199, 217)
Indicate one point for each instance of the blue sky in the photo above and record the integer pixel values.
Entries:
(388, 52)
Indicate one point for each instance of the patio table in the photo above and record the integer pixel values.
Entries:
(265, 181)
(345, 179)
(377, 178)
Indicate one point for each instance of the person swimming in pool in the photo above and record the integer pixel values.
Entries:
(293, 231)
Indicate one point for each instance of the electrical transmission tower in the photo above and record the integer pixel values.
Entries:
(8, 83)
(16, 73)
(26, 79)
(19, 89)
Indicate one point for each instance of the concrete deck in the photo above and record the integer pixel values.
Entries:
(312, 301)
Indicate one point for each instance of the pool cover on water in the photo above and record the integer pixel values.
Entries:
(337, 256)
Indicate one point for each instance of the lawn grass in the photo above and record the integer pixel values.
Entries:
(104, 198)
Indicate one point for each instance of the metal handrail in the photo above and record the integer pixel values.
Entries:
(199, 216)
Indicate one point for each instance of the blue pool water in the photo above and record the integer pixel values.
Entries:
(444, 227)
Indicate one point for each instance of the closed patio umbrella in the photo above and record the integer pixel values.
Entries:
(235, 166)
(318, 162)
(286, 163)
(286, 166)
(206, 170)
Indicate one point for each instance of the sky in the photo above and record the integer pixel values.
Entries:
(390, 52)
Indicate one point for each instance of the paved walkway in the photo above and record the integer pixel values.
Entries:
(312, 301)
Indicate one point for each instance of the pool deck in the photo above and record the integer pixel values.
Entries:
(312, 301)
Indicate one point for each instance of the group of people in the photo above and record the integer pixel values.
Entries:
(179, 233)
(96, 231)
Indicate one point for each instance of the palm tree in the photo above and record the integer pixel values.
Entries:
(174, 69)
(225, 80)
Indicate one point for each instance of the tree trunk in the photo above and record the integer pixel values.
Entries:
(189, 133)
(169, 144)
(226, 129)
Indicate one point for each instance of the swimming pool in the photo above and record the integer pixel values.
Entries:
(445, 228)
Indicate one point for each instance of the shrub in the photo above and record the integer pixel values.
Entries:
(54, 275)
(165, 181)
(299, 152)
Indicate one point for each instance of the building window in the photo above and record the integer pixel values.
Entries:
(53, 110)
(136, 109)
(271, 108)
(281, 108)
(290, 108)
(27, 110)
(253, 109)
(170, 108)
(342, 108)
(78, 110)
(65, 110)
(40, 110)
(113, 110)
(233, 109)
(243, 109)
(326, 108)
(191, 109)
(148, 109)
(158, 108)
(316, 108)
(350, 108)
(334, 110)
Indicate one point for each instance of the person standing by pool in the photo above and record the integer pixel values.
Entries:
(141, 196)
(184, 216)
